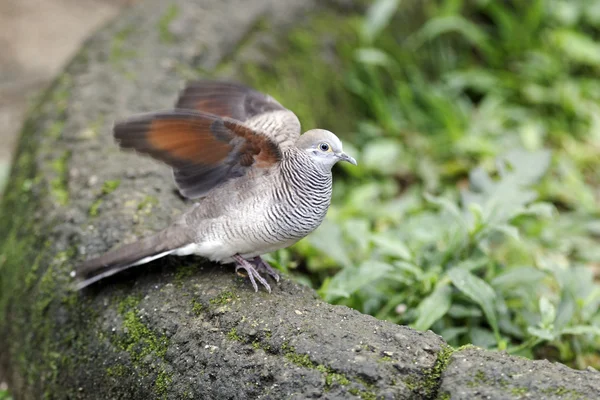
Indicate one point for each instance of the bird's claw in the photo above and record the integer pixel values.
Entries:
(253, 274)
(262, 265)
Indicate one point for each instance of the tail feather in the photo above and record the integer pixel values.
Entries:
(130, 255)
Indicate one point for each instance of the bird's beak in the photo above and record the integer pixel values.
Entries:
(346, 157)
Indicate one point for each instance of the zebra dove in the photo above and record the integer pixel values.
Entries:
(263, 186)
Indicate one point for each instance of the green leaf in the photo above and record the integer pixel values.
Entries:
(518, 276)
(565, 312)
(328, 239)
(508, 230)
(372, 56)
(548, 311)
(433, 307)
(540, 209)
(460, 311)
(483, 337)
(350, 279)
(382, 155)
(578, 47)
(378, 16)
(391, 246)
(449, 334)
(528, 166)
(357, 230)
(541, 333)
(409, 268)
(478, 291)
(581, 330)
(453, 23)
(445, 205)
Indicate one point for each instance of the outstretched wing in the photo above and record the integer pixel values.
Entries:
(204, 150)
(256, 110)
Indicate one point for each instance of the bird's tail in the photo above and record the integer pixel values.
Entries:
(150, 248)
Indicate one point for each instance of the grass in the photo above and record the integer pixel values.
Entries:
(475, 210)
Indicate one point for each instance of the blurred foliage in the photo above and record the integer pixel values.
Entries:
(474, 211)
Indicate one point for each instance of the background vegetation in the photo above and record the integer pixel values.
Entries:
(475, 210)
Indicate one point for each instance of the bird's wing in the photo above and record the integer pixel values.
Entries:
(204, 150)
(256, 110)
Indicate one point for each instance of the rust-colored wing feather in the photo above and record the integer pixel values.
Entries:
(204, 150)
(239, 102)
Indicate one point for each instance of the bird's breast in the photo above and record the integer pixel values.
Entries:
(271, 214)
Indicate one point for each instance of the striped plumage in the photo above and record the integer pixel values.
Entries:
(262, 185)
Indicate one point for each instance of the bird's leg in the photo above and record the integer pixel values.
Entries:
(252, 273)
(262, 265)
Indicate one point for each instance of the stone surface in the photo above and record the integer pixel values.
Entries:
(181, 328)
(476, 374)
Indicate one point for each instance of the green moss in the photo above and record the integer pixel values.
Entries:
(479, 379)
(107, 188)
(518, 391)
(333, 377)
(163, 24)
(139, 340)
(367, 395)
(32, 276)
(110, 186)
(94, 127)
(433, 375)
(94, 207)
(59, 96)
(565, 393)
(30, 268)
(233, 335)
(444, 396)
(197, 307)
(184, 272)
(411, 383)
(147, 203)
(58, 185)
(56, 129)
(223, 299)
(117, 371)
(119, 53)
(301, 360)
(363, 394)
(162, 383)
(128, 303)
(428, 384)
(386, 359)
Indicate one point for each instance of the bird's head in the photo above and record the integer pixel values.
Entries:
(324, 148)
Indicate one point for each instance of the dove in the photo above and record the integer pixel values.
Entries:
(259, 184)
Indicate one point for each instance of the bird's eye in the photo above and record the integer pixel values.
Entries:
(324, 147)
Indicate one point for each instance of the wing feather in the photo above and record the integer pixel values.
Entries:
(233, 100)
(204, 150)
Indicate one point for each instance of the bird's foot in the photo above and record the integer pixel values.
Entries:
(262, 265)
(241, 263)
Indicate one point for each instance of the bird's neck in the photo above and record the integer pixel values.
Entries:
(298, 167)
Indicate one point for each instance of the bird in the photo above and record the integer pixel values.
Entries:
(258, 183)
